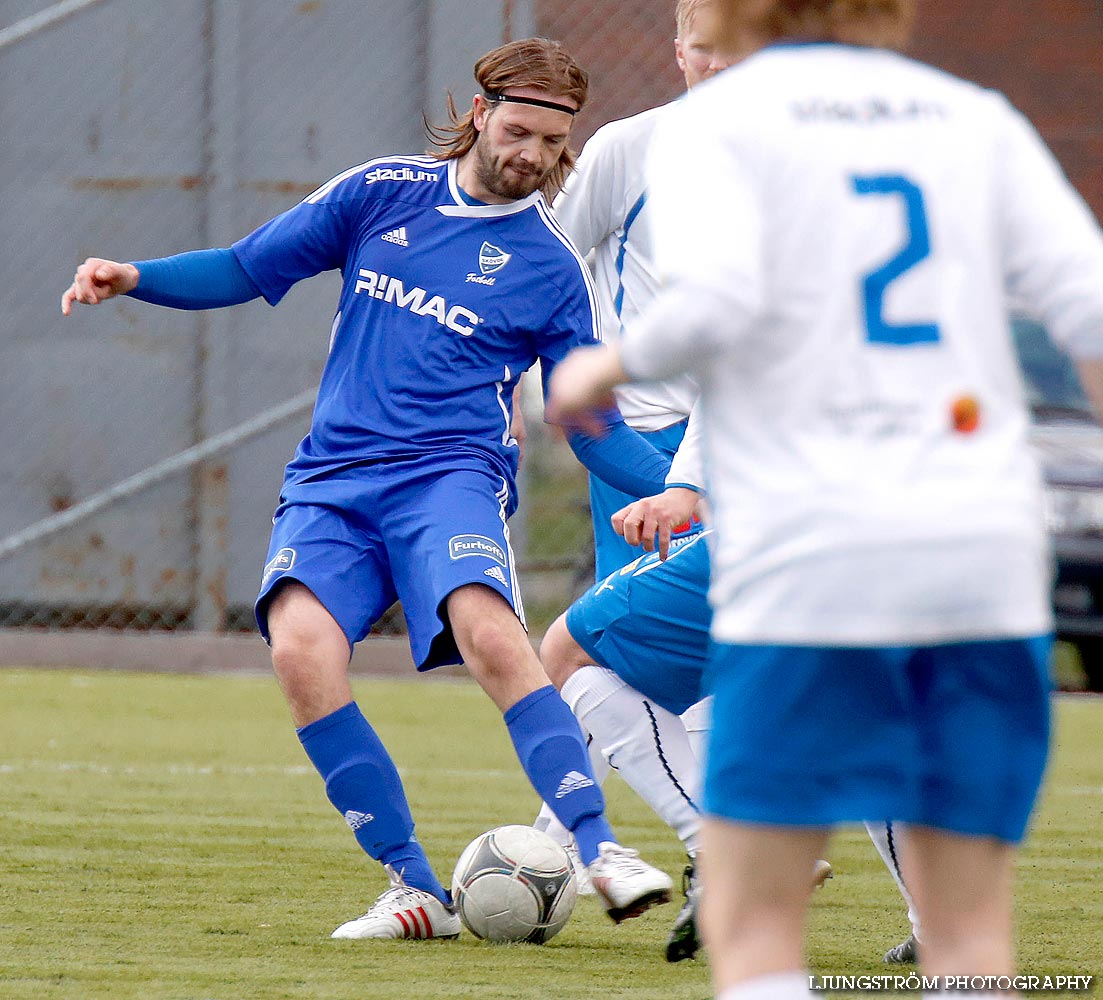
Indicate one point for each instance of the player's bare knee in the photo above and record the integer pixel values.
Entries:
(291, 653)
(493, 647)
(486, 629)
(497, 653)
(310, 652)
(559, 653)
(312, 671)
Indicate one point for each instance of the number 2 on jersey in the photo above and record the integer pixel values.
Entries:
(916, 248)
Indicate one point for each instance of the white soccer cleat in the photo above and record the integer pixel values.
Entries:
(821, 872)
(627, 885)
(583, 885)
(403, 912)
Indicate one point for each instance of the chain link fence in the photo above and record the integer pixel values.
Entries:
(144, 446)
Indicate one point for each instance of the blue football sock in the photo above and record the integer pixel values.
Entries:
(363, 784)
(553, 753)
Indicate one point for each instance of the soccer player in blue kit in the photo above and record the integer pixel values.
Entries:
(456, 280)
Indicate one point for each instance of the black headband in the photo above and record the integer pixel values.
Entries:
(495, 96)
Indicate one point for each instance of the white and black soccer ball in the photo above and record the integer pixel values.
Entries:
(514, 883)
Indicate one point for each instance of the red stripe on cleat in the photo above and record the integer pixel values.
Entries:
(405, 926)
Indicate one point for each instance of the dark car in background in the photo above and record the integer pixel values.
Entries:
(1069, 442)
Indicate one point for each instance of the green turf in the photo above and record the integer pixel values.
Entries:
(163, 837)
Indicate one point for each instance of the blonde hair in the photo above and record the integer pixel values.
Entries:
(531, 62)
(881, 23)
(684, 13)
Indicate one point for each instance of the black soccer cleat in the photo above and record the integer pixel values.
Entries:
(683, 942)
(905, 953)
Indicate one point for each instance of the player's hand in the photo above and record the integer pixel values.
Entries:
(98, 279)
(642, 521)
(581, 385)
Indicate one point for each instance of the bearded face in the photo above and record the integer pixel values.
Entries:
(517, 147)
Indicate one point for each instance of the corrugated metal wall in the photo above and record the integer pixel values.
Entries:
(135, 129)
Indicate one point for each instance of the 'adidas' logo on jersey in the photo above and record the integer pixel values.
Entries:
(397, 236)
(497, 574)
(356, 819)
(572, 782)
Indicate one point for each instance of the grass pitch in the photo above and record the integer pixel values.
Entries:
(165, 837)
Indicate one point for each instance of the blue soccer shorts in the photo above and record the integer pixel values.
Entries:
(953, 736)
(649, 624)
(401, 531)
(611, 551)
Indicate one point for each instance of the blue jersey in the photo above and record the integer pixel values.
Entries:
(444, 305)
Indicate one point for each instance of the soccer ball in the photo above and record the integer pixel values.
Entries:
(514, 883)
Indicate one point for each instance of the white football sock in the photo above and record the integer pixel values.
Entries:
(647, 745)
(697, 719)
(775, 986)
(547, 821)
(887, 839)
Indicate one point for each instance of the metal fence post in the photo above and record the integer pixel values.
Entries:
(215, 330)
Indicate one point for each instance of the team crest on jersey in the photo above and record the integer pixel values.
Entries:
(281, 562)
(461, 546)
(491, 258)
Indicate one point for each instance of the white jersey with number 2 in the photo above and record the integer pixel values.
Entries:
(842, 230)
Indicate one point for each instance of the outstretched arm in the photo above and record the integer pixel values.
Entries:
(602, 441)
(621, 457)
(201, 279)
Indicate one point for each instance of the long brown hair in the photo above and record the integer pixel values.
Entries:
(882, 23)
(529, 62)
